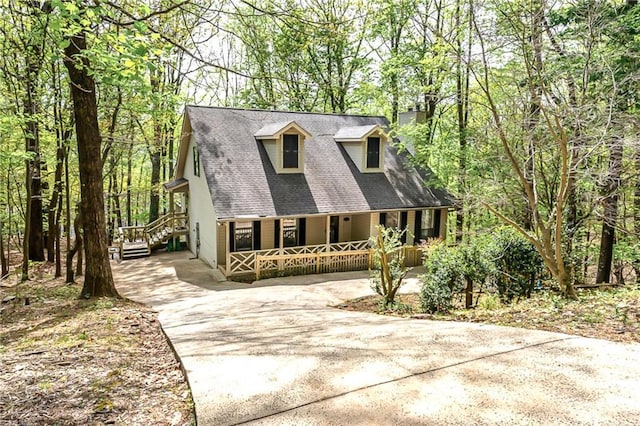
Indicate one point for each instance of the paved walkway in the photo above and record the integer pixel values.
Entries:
(276, 353)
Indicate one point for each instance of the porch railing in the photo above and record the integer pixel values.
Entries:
(314, 259)
(312, 263)
(245, 262)
(133, 239)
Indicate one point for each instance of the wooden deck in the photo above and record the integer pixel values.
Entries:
(139, 241)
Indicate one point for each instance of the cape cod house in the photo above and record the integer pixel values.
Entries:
(272, 191)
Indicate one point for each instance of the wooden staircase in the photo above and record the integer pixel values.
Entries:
(139, 241)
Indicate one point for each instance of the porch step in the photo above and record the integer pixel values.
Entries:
(128, 253)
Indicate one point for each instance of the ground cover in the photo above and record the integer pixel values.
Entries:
(604, 313)
(84, 362)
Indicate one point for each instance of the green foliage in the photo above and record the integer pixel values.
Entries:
(517, 263)
(448, 270)
(443, 278)
(389, 263)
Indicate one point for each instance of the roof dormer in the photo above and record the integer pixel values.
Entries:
(365, 145)
(284, 143)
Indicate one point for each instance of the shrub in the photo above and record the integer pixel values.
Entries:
(518, 264)
(442, 278)
(449, 270)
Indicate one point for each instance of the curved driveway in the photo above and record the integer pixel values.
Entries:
(276, 353)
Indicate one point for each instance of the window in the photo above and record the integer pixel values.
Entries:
(289, 233)
(373, 153)
(290, 151)
(243, 236)
(428, 224)
(196, 161)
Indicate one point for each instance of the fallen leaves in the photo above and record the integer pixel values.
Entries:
(79, 362)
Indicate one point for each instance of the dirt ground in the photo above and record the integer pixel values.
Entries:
(84, 362)
(609, 313)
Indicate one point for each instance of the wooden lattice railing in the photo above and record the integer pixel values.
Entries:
(245, 262)
(338, 257)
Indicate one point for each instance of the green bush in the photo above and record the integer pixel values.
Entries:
(518, 265)
(442, 278)
(449, 270)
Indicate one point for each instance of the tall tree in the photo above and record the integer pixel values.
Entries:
(98, 279)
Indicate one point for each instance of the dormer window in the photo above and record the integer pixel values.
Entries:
(284, 143)
(290, 151)
(373, 152)
(365, 146)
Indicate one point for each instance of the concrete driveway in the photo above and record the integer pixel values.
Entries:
(276, 353)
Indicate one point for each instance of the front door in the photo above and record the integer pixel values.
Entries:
(334, 229)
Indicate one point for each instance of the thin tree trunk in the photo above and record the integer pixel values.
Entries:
(98, 278)
(58, 251)
(67, 216)
(154, 202)
(129, 178)
(636, 209)
(607, 239)
(4, 271)
(27, 225)
(462, 108)
(52, 215)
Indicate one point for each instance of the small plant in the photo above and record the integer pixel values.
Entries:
(395, 307)
(389, 264)
(490, 302)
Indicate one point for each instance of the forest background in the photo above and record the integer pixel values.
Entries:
(530, 111)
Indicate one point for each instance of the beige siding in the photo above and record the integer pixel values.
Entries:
(316, 230)
(345, 229)
(360, 226)
(267, 229)
(272, 151)
(222, 243)
(444, 216)
(354, 149)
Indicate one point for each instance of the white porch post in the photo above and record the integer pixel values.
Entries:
(328, 233)
(281, 242)
(227, 248)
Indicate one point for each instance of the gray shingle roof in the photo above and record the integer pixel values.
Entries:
(355, 132)
(271, 129)
(243, 181)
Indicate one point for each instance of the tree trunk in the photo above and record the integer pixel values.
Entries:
(129, 178)
(612, 185)
(57, 239)
(462, 108)
(32, 145)
(98, 278)
(54, 206)
(4, 271)
(27, 225)
(77, 247)
(154, 204)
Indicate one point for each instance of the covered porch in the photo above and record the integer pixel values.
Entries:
(267, 247)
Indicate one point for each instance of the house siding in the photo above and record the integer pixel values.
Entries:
(355, 151)
(360, 226)
(201, 211)
(271, 147)
(345, 228)
(316, 230)
(267, 230)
